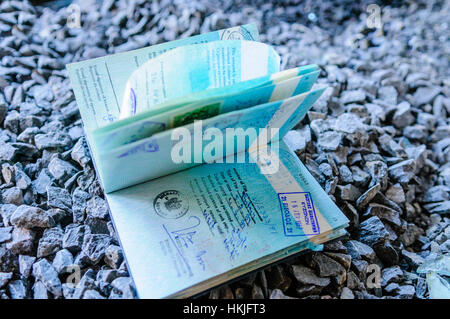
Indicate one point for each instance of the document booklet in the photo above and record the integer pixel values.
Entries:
(187, 140)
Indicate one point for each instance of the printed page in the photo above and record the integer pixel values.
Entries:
(99, 83)
(154, 156)
(185, 228)
(203, 110)
(208, 94)
(194, 68)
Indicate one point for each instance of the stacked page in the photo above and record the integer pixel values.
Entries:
(186, 138)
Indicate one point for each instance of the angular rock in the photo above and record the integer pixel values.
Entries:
(5, 277)
(13, 196)
(354, 96)
(44, 272)
(94, 246)
(346, 293)
(52, 140)
(373, 232)
(326, 266)
(425, 95)
(5, 234)
(43, 180)
(17, 289)
(61, 170)
(329, 140)
(403, 172)
(22, 241)
(73, 237)
(392, 274)
(63, 259)
(359, 250)
(30, 217)
(412, 259)
(125, 286)
(25, 264)
(365, 198)
(403, 116)
(113, 256)
(92, 294)
(386, 214)
(50, 242)
(59, 198)
(40, 291)
(306, 276)
(80, 152)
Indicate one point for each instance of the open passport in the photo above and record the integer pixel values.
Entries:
(187, 141)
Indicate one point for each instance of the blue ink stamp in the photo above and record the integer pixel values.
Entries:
(298, 214)
(148, 147)
(133, 101)
(172, 204)
(145, 129)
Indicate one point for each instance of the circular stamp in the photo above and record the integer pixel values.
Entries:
(171, 204)
(237, 34)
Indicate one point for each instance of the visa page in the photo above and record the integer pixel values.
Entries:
(183, 229)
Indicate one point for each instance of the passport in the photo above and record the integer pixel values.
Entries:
(187, 140)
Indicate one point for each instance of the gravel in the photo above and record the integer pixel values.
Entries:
(378, 141)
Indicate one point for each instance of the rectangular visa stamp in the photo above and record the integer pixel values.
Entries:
(298, 214)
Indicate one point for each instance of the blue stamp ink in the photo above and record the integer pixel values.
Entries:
(145, 129)
(147, 147)
(133, 101)
(298, 214)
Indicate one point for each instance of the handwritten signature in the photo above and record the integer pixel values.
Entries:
(186, 235)
(245, 208)
(235, 243)
(199, 257)
(209, 219)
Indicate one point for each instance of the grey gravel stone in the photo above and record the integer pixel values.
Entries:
(412, 258)
(17, 289)
(425, 95)
(61, 170)
(50, 242)
(359, 250)
(5, 234)
(73, 237)
(325, 265)
(355, 96)
(52, 140)
(403, 116)
(63, 259)
(25, 264)
(373, 232)
(365, 198)
(40, 291)
(392, 274)
(329, 140)
(43, 180)
(59, 198)
(5, 277)
(347, 294)
(44, 272)
(307, 276)
(12, 195)
(92, 294)
(94, 246)
(29, 217)
(80, 152)
(22, 241)
(125, 287)
(113, 256)
(403, 172)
